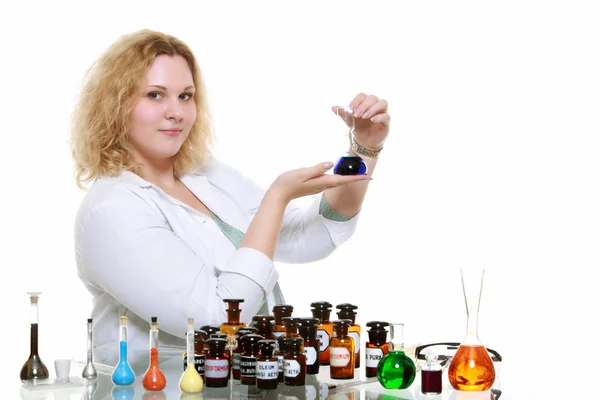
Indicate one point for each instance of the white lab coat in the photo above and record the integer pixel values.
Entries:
(142, 253)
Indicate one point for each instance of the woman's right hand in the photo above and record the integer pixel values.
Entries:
(311, 180)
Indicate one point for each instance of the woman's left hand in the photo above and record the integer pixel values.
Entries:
(372, 121)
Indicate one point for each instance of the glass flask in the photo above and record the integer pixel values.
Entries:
(396, 370)
(350, 164)
(34, 368)
(89, 371)
(154, 379)
(190, 381)
(471, 368)
(123, 375)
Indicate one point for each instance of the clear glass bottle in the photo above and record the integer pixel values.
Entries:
(396, 370)
(267, 368)
(347, 311)
(322, 310)
(154, 379)
(376, 347)
(34, 368)
(123, 374)
(471, 367)
(341, 355)
(280, 311)
(200, 337)
(431, 375)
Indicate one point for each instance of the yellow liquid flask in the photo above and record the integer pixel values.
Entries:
(471, 368)
(190, 381)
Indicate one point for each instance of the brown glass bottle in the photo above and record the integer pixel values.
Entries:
(322, 310)
(248, 359)
(237, 351)
(227, 352)
(347, 311)
(34, 368)
(216, 368)
(341, 365)
(267, 368)
(233, 320)
(280, 354)
(200, 337)
(376, 347)
(264, 324)
(308, 331)
(280, 311)
(291, 328)
(294, 363)
(209, 329)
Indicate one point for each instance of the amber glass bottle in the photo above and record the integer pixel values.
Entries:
(209, 329)
(322, 310)
(342, 351)
(264, 324)
(280, 311)
(267, 370)
(237, 351)
(233, 321)
(216, 369)
(248, 359)
(294, 362)
(279, 354)
(308, 331)
(347, 311)
(291, 327)
(376, 347)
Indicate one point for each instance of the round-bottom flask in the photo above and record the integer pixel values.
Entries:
(396, 370)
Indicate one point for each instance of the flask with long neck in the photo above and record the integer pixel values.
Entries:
(89, 371)
(123, 374)
(190, 381)
(34, 368)
(154, 379)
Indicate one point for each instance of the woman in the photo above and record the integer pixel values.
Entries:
(167, 230)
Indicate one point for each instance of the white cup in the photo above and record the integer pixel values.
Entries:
(62, 368)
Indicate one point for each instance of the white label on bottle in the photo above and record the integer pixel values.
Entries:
(216, 368)
(311, 355)
(339, 356)
(323, 339)
(280, 363)
(356, 337)
(277, 334)
(267, 370)
(373, 356)
(291, 368)
(236, 360)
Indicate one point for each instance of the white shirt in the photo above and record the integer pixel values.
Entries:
(142, 253)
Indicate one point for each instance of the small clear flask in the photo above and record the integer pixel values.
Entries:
(154, 379)
(431, 375)
(123, 374)
(396, 370)
(89, 371)
(34, 368)
(471, 367)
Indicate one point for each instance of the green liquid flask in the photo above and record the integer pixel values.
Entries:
(396, 370)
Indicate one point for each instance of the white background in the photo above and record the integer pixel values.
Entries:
(492, 161)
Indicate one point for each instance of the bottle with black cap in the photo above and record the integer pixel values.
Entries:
(322, 310)
(376, 347)
(347, 311)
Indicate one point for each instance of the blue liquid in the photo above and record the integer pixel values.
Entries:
(123, 374)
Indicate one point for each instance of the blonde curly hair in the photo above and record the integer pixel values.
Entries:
(101, 120)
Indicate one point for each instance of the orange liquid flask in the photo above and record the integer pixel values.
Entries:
(471, 368)
(154, 379)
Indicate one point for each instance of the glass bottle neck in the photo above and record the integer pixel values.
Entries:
(90, 342)
(189, 347)
(33, 313)
(154, 338)
(472, 281)
(123, 333)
